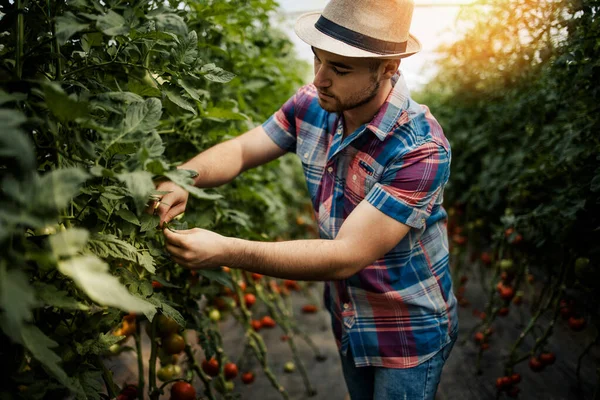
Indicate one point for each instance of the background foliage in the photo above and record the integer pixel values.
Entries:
(98, 100)
(518, 99)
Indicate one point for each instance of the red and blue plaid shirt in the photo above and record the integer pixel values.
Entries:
(399, 311)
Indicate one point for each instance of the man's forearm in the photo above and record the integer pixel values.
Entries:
(216, 166)
(299, 259)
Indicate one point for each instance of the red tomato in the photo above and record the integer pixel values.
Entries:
(535, 364)
(547, 358)
(479, 337)
(256, 277)
(309, 309)
(249, 299)
(503, 312)
(156, 284)
(267, 322)
(256, 325)
(230, 370)
(577, 324)
(486, 258)
(507, 293)
(182, 391)
(211, 367)
(247, 378)
(515, 378)
(292, 285)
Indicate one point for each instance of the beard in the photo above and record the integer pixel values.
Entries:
(336, 105)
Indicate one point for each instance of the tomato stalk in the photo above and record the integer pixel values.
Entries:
(107, 376)
(255, 341)
(56, 46)
(154, 393)
(20, 39)
(138, 347)
(196, 368)
(283, 317)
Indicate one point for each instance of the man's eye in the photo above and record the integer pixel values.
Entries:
(338, 72)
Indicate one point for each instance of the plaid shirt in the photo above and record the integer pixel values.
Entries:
(399, 311)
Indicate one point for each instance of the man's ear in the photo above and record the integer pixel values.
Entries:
(390, 67)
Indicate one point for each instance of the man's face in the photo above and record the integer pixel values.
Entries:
(344, 83)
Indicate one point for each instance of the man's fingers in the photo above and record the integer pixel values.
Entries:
(175, 251)
(173, 238)
(172, 213)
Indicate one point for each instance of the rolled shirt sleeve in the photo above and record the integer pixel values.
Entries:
(281, 126)
(412, 185)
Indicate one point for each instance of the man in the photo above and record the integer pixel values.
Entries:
(376, 164)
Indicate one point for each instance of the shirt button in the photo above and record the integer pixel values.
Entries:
(346, 306)
(305, 155)
(330, 169)
(354, 177)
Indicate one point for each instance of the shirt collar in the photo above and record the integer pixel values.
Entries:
(388, 115)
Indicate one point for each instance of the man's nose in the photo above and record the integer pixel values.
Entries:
(321, 78)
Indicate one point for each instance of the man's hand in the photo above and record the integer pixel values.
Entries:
(171, 204)
(196, 248)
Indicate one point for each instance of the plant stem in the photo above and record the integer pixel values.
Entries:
(138, 346)
(56, 47)
(20, 39)
(192, 362)
(107, 376)
(154, 393)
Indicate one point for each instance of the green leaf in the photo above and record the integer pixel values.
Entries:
(68, 243)
(140, 185)
(221, 114)
(216, 74)
(67, 25)
(90, 40)
(92, 384)
(149, 222)
(17, 299)
(105, 246)
(178, 100)
(14, 143)
(65, 108)
(217, 275)
(50, 295)
(161, 303)
(55, 189)
(142, 89)
(187, 51)
(9, 98)
(192, 92)
(40, 345)
(91, 275)
(98, 345)
(142, 117)
(112, 24)
(184, 179)
(128, 216)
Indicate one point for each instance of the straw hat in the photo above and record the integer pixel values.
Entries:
(361, 28)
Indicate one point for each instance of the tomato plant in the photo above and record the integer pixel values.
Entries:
(99, 100)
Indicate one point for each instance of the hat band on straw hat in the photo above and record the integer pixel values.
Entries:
(357, 39)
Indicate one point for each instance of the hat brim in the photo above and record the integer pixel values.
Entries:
(306, 31)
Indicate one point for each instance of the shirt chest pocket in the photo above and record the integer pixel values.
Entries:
(313, 159)
(362, 175)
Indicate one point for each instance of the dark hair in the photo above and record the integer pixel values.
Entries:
(374, 64)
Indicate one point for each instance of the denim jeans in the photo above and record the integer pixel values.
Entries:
(376, 383)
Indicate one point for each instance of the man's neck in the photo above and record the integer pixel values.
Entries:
(365, 113)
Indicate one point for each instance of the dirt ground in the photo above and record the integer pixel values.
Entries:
(459, 380)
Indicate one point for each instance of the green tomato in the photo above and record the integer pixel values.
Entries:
(168, 372)
(289, 367)
(214, 315)
(506, 264)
